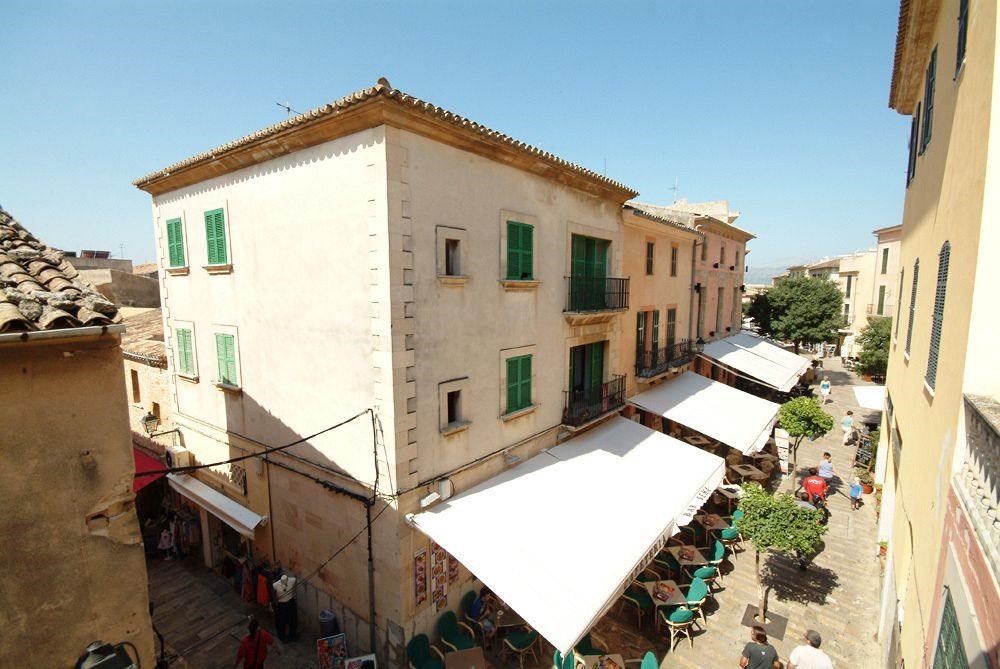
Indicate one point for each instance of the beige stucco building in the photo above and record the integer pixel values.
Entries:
(939, 459)
(480, 329)
(659, 257)
(720, 264)
(68, 531)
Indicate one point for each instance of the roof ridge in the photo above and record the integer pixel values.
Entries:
(381, 89)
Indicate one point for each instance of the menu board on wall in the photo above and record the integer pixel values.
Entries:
(453, 569)
(420, 576)
(439, 577)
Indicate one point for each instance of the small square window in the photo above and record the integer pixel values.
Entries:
(452, 257)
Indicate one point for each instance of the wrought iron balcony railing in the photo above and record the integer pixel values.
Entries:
(585, 293)
(585, 405)
(658, 361)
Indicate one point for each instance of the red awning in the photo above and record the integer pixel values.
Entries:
(145, 463)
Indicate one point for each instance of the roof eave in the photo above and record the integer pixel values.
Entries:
(368, 109)
(914, 34)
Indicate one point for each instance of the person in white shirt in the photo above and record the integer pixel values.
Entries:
(808, 655)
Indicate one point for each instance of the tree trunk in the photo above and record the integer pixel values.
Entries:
(793, 469)
(761, 591)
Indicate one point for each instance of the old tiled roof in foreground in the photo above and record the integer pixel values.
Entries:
(41, 291)
(385, 90)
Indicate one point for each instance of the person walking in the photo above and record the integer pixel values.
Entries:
(847, 425)
(758, 653)
(808, 655)
(253, 647)
(856, 494)
(824, 388)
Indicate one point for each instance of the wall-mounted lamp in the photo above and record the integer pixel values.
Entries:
(697, 287)
(150, 422)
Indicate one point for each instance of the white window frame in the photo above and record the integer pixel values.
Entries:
(176, 325)
(186, 267)
(227, 267)
(461, 235)
(218, 328)
(460, 384)
(505, 355)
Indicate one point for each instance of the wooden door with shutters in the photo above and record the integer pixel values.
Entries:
(588, 269)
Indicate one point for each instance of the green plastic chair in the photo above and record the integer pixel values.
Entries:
(560, 662)
(587, 647)
(707, 574)
(466, 608)
(731, 537)
(521, 642)
(452, 634)
(637, 596)
(420, 654)
(678, 621)
(696, 595)
(667, 561)
(649, 661)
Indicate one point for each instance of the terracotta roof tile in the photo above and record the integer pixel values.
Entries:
(39, 290)
(143, 338)
(382, 89)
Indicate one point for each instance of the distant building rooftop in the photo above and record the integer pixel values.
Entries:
(143, 338)
(40, 290)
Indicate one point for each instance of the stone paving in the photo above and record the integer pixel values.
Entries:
(202, 618)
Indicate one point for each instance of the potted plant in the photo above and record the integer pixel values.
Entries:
(883, 548)
(867, 482)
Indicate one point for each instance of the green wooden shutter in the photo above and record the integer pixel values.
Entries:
(215, 234)
(185, 352)
(881, 300)
(175, 242)
(656, 330)
(671, 329)
(937, 320)
(640, 331)
(929, 83)
(524, 385)
(225, 353)
(911, 166)
(596, 365)
(913, 304)
(600, 258)
(963, 33)
(520, 250)
(950, 650)
(518, 383)
(650, 251)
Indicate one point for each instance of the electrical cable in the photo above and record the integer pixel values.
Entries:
(274, 449)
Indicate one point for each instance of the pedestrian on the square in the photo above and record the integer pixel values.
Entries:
(826, 469)
(847, 425)
(856, 494)
(815, 485)
(758, 653)
(808, 655)
(824, 388)
(253, 647)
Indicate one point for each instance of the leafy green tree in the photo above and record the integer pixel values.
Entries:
(776, 524)
(760, 311)
(803, 417)
(874, 339)
(806, 310)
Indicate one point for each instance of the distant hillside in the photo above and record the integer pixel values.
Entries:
(762, 275)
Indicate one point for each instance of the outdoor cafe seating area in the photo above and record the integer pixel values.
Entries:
(669, 603)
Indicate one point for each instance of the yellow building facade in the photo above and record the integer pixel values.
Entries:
(938, 456)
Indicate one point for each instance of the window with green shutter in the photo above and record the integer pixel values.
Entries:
(913, 304)
(911, 166)
(881, 301)
(518, 383)
(937, 318)
(963, 34)
(215, 234)
(930, 79)
(225, 354)
(673, 261)
(899, 305)
(656, 329)
(175, 242)
(950, 650)
(185, 352)
(650, 251)
(520, 251)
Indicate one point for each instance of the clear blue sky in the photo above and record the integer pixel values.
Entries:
(779, 107)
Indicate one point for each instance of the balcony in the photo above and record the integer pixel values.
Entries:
(977, 482)
(583, 406)
(594, 299)
(653, 363)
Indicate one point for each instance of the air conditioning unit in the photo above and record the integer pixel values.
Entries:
(178, 457)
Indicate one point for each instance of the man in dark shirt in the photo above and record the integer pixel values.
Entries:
(758, 654)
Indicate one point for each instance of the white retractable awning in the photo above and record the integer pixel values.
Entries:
(560, 536)
(758, 358)
(738, 419)
(232, 513)
(870, 397)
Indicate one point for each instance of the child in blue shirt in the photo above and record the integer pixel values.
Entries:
(856, 494)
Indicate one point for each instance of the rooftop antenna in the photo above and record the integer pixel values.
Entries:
(121, 249)
(674, 188)
(287, 106)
